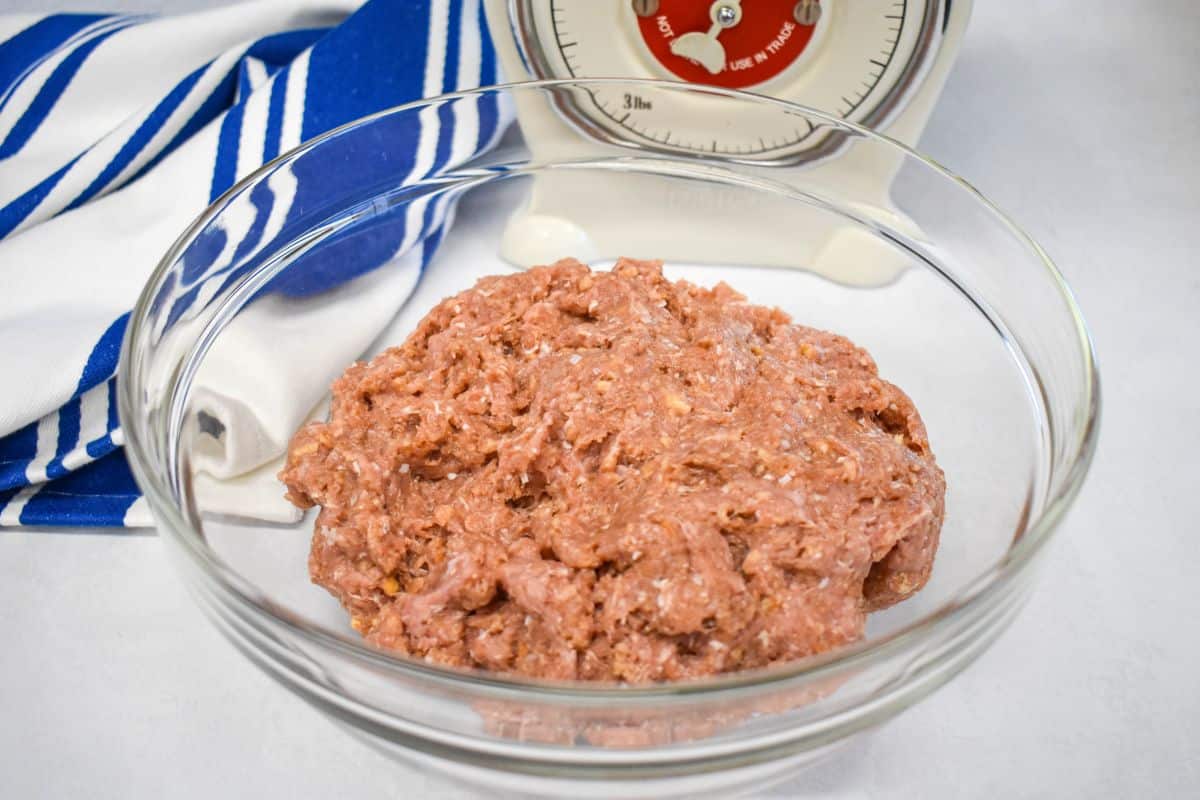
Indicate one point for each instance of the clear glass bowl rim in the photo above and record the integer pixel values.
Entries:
(976, 595)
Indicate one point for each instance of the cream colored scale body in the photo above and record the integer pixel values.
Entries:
(879, 63)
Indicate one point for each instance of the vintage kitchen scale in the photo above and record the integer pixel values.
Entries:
(877, 63)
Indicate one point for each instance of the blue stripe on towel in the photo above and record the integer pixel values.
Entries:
(445, 112)
(396, 74)
(43, 103)
(68, 437)
(225, 170)
(104, 444)
(212, 107)
(107, 485)
(280, 49)
(141, 137)
(21, 53)
(13, 214)
(275, 118)
(487, 63)
(489, 115)
(102, 362)
(16, 451)
(6, 495)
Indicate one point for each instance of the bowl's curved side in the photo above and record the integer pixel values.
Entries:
(554, 745)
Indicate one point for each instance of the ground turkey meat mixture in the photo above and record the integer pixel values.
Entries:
(606, 475)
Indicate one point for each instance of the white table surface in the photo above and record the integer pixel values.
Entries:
(1080, 117)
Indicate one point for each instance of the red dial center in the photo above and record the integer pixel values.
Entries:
(763, 43)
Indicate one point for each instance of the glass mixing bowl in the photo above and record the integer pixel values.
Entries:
(336, 249)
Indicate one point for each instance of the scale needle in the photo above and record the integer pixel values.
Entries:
(703, 48)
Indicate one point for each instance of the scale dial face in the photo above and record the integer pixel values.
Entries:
(855, 59)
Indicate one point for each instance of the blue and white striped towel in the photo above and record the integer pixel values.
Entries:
(115, 132)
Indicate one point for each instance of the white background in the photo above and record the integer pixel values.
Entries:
(1080, 117)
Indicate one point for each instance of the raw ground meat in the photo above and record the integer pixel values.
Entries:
(571, 474)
